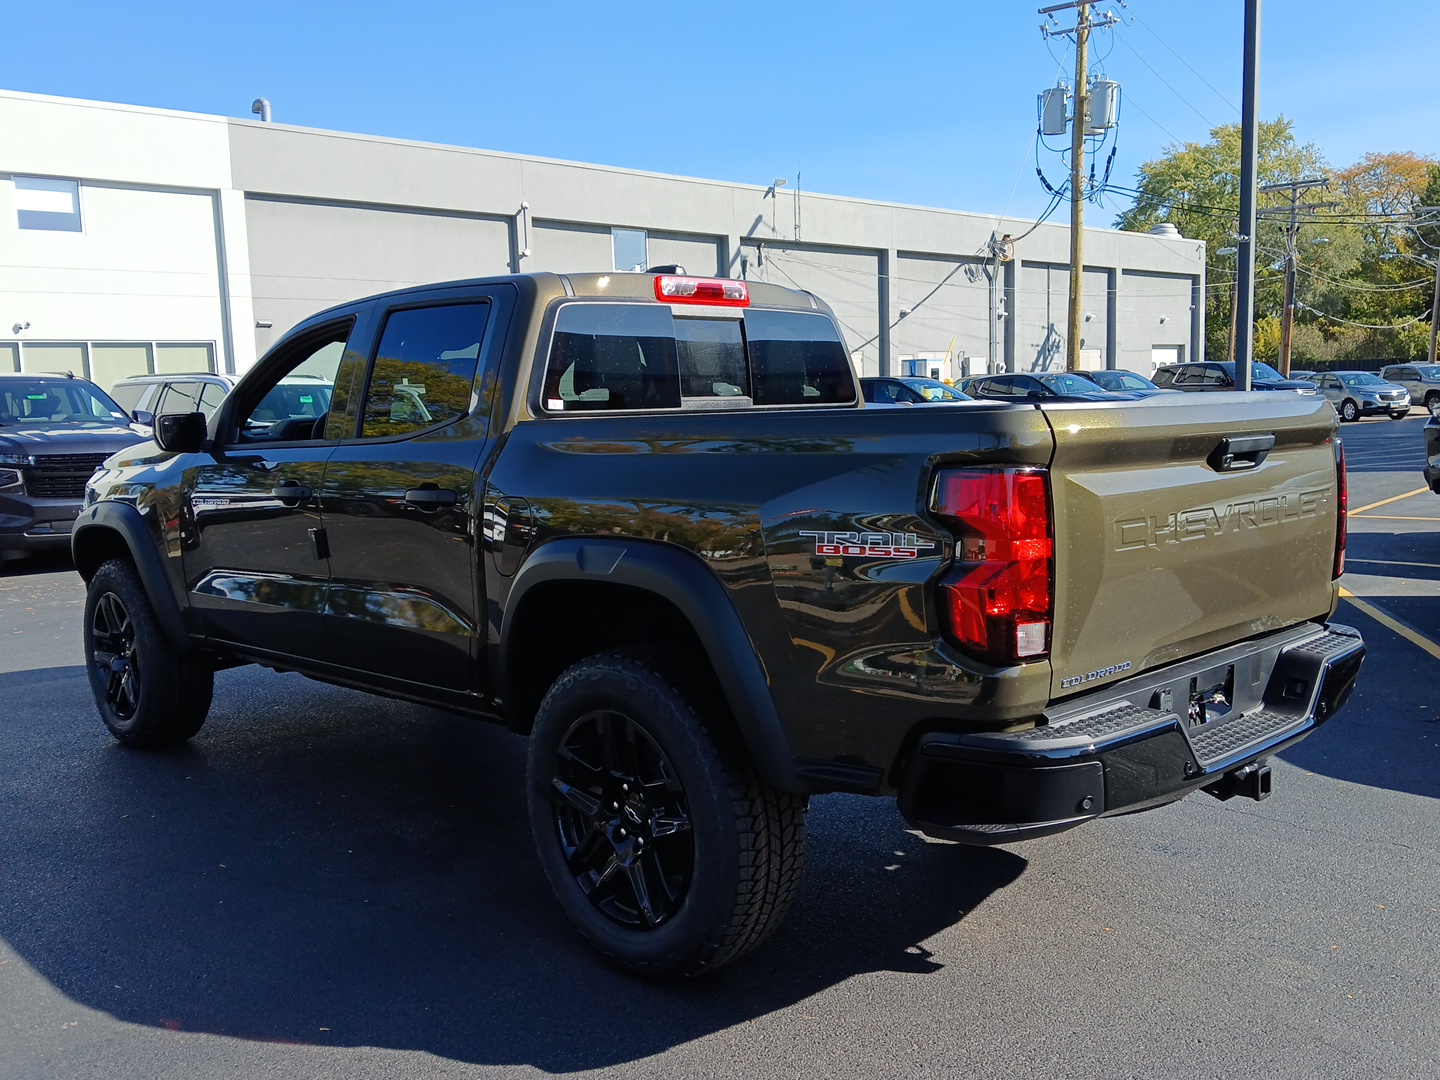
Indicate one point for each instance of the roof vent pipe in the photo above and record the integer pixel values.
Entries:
(261, 108)
(1167, 230)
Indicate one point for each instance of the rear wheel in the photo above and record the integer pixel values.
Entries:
(659, 841)
(1432, 402)
(148, 694)
(1349, 411)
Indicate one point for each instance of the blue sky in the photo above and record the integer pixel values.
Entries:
(922, 102)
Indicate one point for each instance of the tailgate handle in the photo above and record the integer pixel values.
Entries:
(1240, 452)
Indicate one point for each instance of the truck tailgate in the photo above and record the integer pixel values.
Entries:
(1164, 550)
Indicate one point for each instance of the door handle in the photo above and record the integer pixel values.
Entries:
(431, 498)
(1241, 452)
(290, 493)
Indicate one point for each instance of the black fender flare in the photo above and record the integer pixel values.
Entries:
(681, 578)
(141, 544)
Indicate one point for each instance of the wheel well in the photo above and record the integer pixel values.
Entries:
(96, 546)
(560, 622)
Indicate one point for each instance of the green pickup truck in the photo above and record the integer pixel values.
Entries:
(647, 520)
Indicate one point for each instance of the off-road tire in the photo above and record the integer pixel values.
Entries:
(148, 694)
(747, 842)
(1349, 411)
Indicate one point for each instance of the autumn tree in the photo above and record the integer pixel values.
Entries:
(1196, 187)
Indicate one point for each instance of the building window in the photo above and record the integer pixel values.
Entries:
(630, 251)
(50, 205)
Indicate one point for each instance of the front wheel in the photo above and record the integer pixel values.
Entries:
(148, 694)
(1432, 402)
(658, 839)
(1349, 411)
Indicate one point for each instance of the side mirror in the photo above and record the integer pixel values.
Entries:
(181, 433)
(140, 416)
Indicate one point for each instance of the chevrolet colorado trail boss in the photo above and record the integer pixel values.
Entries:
(647, 520)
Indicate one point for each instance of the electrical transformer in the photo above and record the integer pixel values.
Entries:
(1104, 109)
(1054, 105)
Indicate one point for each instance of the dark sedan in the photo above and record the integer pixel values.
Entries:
(908, 390)
(1215, 375)
(1124, 381)
(1043, 386)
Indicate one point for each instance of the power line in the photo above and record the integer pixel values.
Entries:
(1167, 85)
(1134, 15)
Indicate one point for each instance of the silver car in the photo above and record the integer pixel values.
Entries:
(1362, 393)
(1422, 380)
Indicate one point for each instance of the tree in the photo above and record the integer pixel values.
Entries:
(1196, 188)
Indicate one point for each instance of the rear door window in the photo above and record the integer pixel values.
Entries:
(180, 397)
(128, 395)
(424, 370)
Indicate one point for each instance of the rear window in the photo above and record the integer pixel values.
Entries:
(128, 395)
(614, 357)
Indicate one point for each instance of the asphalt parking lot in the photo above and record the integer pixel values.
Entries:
(326, 884)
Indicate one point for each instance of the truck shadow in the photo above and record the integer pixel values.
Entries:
(322, 867)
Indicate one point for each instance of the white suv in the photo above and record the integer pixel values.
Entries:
(1422, 380)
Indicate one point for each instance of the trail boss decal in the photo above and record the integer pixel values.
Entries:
(870, 545)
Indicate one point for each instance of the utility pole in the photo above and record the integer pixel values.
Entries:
(1078, 131)
(1249, 177)
(1292, 253)
(1077, 189)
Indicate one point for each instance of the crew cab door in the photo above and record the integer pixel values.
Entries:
(401, 489)
(255, 564)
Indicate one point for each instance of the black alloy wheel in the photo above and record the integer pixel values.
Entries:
(117, 667)
(147, 693)
(623, 820)
(659, 840)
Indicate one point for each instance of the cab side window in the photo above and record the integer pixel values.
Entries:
(616, 356)
(423, 375)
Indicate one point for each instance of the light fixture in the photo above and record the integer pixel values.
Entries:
(1089, 316)
(19, 326)
(1164, 318)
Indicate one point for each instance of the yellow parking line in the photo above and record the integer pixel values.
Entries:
(1412, 636)
(1385, 502)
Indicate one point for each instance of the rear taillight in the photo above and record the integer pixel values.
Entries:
(1342, 507)
(997, 599)
(690, 290)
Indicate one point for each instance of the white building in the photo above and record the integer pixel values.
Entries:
(135, 239)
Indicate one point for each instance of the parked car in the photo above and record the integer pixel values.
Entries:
(55, 431)
(1363, 393)
(145, 397)
(1124, 381)
(1421, 380)
(1043, 386)
(297, 397)
(1216, 375)
(909, 390)
(1432, 452)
